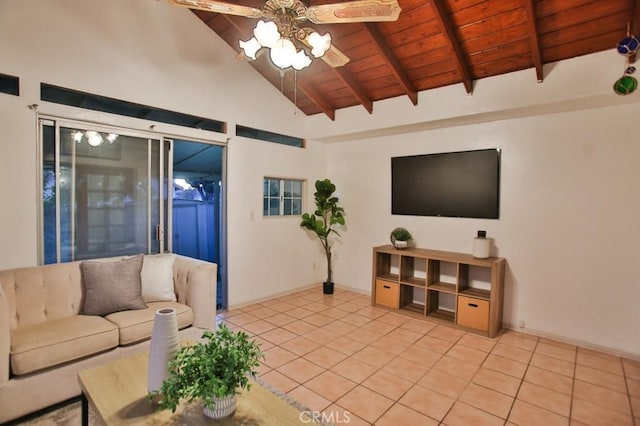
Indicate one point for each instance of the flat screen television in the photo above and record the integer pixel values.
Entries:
(451, 184)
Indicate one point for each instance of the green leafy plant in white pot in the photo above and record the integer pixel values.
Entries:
(323, 221)
(213, 370)
(400, 238)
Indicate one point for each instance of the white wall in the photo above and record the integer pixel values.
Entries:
(569, 225)
(155, 54)
(270, 254)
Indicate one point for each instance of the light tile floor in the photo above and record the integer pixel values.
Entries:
(361, 365)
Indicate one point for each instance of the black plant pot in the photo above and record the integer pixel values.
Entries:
(327, 288)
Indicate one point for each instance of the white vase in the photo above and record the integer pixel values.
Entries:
(164, 344)
(224, 407)
(481, 246)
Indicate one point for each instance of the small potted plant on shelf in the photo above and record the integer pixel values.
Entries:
(400, 238)
(323, 222)
(213, 370)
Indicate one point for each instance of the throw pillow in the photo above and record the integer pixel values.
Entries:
(112, 286)
(157, 278)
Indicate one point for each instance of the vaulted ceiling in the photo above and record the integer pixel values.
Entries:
(437, 43)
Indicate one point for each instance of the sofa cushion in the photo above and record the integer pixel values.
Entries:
(55, 342)
(112, 286)
(157, 278)
(137, 325)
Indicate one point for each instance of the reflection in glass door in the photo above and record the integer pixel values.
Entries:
(101, 193)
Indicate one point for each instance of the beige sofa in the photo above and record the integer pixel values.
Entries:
(45, 339)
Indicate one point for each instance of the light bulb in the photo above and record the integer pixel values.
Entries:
(111, 137)
(94, 138)
(301, 60)
(320, 44)
(77, 136)
(282, 53)
(266, 33)
(250, 47)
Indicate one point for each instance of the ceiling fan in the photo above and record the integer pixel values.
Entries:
(283, 32)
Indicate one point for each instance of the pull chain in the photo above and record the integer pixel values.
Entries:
(282, 81)
(295, 92)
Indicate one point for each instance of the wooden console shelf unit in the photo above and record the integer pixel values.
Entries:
(447, 286)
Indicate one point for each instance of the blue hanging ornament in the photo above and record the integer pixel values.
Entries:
(628, 45)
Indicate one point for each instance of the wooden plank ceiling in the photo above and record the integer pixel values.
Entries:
(438, 43)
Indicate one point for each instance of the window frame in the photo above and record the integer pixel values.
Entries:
(266, 197)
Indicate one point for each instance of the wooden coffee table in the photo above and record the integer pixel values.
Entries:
(118, 392)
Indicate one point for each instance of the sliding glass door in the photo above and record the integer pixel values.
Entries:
(110, 192)
(102, 192)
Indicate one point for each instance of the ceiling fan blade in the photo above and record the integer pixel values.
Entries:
(334, 58)
(220, 7)
(354, 11)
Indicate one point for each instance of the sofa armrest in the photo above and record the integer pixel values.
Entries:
(5, 338)
(196, 284)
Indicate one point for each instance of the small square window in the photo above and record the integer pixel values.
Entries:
(282, 197)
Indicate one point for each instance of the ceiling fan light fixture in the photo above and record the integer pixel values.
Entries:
(319, 43)
(266, 33)
(250, 47)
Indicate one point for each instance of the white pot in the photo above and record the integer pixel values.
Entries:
(224, 407)
(401, 244)
(164, 344)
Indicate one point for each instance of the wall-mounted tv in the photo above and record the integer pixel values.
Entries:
(451, 184)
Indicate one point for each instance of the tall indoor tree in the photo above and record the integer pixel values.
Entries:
(322, 222)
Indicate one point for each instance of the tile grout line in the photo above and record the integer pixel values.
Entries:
(626, 385)
(573, 384)
(524, 374)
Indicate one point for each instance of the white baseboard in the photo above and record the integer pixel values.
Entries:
(572, 341)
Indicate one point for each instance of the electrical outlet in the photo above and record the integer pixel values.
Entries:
(521, 324)
(314, 265)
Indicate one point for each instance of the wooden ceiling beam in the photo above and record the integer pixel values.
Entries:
(534, 39)
(448, 30)
(234, 24)
(354, 88)
(317, 99)
(393, 62)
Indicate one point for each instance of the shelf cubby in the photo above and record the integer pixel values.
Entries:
(413, 271)
(475, 281)
(387, 266)
(412, 298)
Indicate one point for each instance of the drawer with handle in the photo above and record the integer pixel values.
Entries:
(473, 313)
(388, 294)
